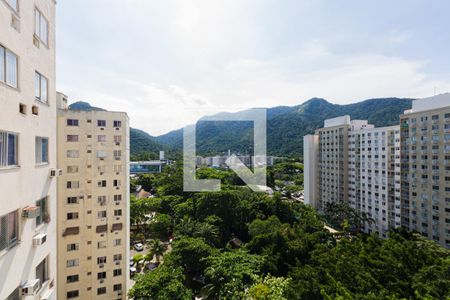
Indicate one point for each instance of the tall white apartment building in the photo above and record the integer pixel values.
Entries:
(27, 149)
(425, 154)
(93, 204)
(353, 162)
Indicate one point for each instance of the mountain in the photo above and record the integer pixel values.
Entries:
(286, 126)
(141, 142)
(80, 105)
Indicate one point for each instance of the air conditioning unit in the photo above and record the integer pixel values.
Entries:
(55, 173)
(101, 265)
(117, 144)
(39, 239)
(117, 157)
(117, 262)
(31, 212)
(119, 293)
(101, 281)
(30, 287)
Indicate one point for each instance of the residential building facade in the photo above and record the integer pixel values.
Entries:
(93, 204)
(353, 162)
(425, 171)
(27, 149)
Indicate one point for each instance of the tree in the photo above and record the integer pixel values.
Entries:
(230, 273)
(161, 284)
(157, 249)
(271, 288)
(160, 226)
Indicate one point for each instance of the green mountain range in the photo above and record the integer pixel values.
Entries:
(286, 126)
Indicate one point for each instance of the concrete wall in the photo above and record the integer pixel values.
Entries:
(25, 184)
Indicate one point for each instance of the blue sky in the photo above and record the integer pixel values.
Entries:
(169, 62)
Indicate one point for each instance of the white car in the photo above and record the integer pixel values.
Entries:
(139, 247)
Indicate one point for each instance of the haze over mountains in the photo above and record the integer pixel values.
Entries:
(286, 126)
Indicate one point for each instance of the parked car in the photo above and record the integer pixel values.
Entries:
(139, 247)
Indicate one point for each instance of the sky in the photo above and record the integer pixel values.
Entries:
(168, 63)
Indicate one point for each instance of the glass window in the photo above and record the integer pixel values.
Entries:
(43, 208)
(101, 123)
(72, 278)
(101, 291)
(72, 122)
(72, 294)
(8, 230)
(72, 138)
(40, 88)
(41, 150)
(8, 67)
(8, 149)
(117, 123)
(101, 138)
(73, 154)
(13, 4)
(42, 271)
(11, 69)
(72, 263)
(41, 27)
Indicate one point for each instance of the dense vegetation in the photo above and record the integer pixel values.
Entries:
(237, 244)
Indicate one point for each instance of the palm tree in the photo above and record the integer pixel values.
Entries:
(157, 249)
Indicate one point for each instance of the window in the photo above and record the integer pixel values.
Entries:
(72, 169)
(41, 150)
(72, 200)
(72, 216)
(117, 123)
(42, 271)
(35, 110)
(22, 108)
(116, 182)
(72, 294)
(117, 287)
(9, 230)
(117, 257)
(72, 122)
(117, 272)
(72, 138)
(101, 291)
(117, 242)
(43, 208)
(101, 275)
(72, 263)
(117, 139)
(40, 88)
(117, 212)
(117, 197)
(101, 200)
(72, 278)
(101, 244)
(72, 247)
(101, 260)
(101, 154)
(8, 149)
(101, 214)
(8, 67)
(101, 183)
(41, 27)
(117, 154)
(73, 154)
(13, 4)
(73, 184)
(101, 138)
(117, 168)
(101, 123)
